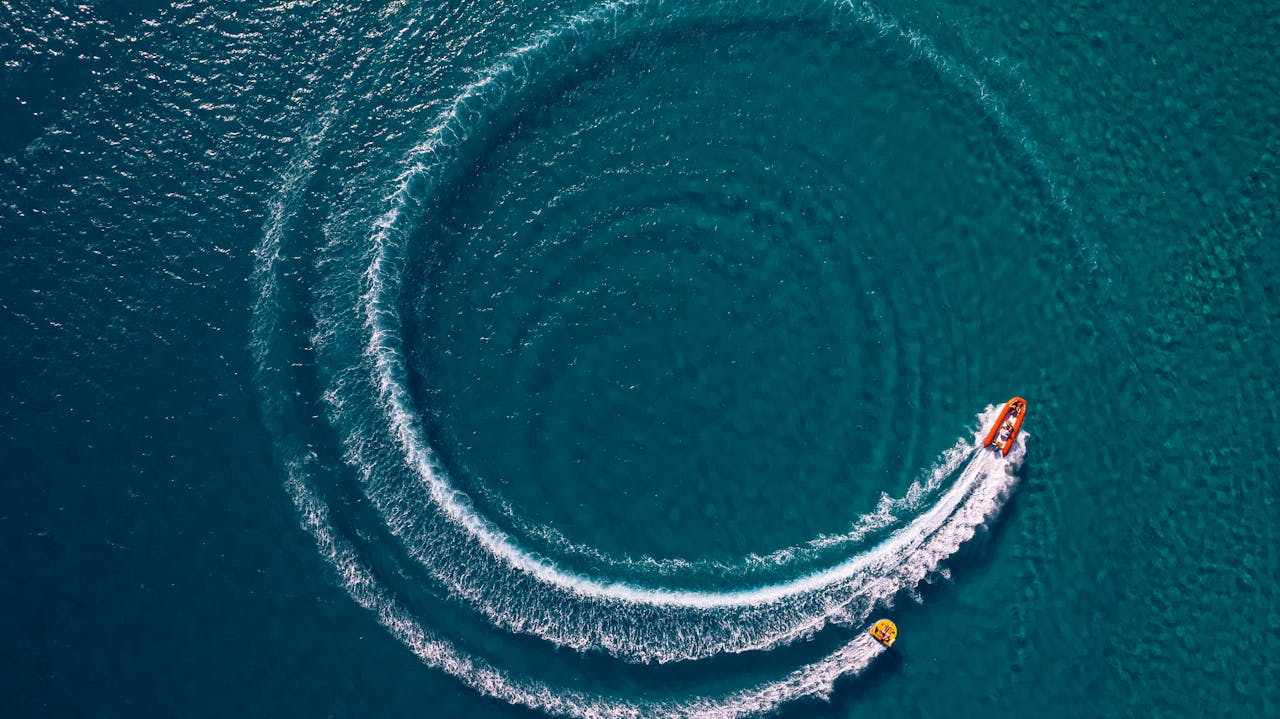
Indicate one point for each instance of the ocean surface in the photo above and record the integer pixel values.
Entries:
(628, 359)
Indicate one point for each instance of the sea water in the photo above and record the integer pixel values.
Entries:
(630, 358)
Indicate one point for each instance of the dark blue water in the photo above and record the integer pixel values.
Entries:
(627, 359)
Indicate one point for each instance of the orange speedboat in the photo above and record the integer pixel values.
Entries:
(1005, 430)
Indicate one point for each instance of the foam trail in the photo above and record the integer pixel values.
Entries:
(815, 679)
(474, 559)
(380, 282)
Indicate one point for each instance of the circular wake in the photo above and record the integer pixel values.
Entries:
(352, 435)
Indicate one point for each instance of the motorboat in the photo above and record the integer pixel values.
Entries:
(1005, 430)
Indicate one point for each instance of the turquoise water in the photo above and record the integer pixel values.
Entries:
(628, 359)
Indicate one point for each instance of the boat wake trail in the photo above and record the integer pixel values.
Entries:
(354, 448)
(897, 565)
